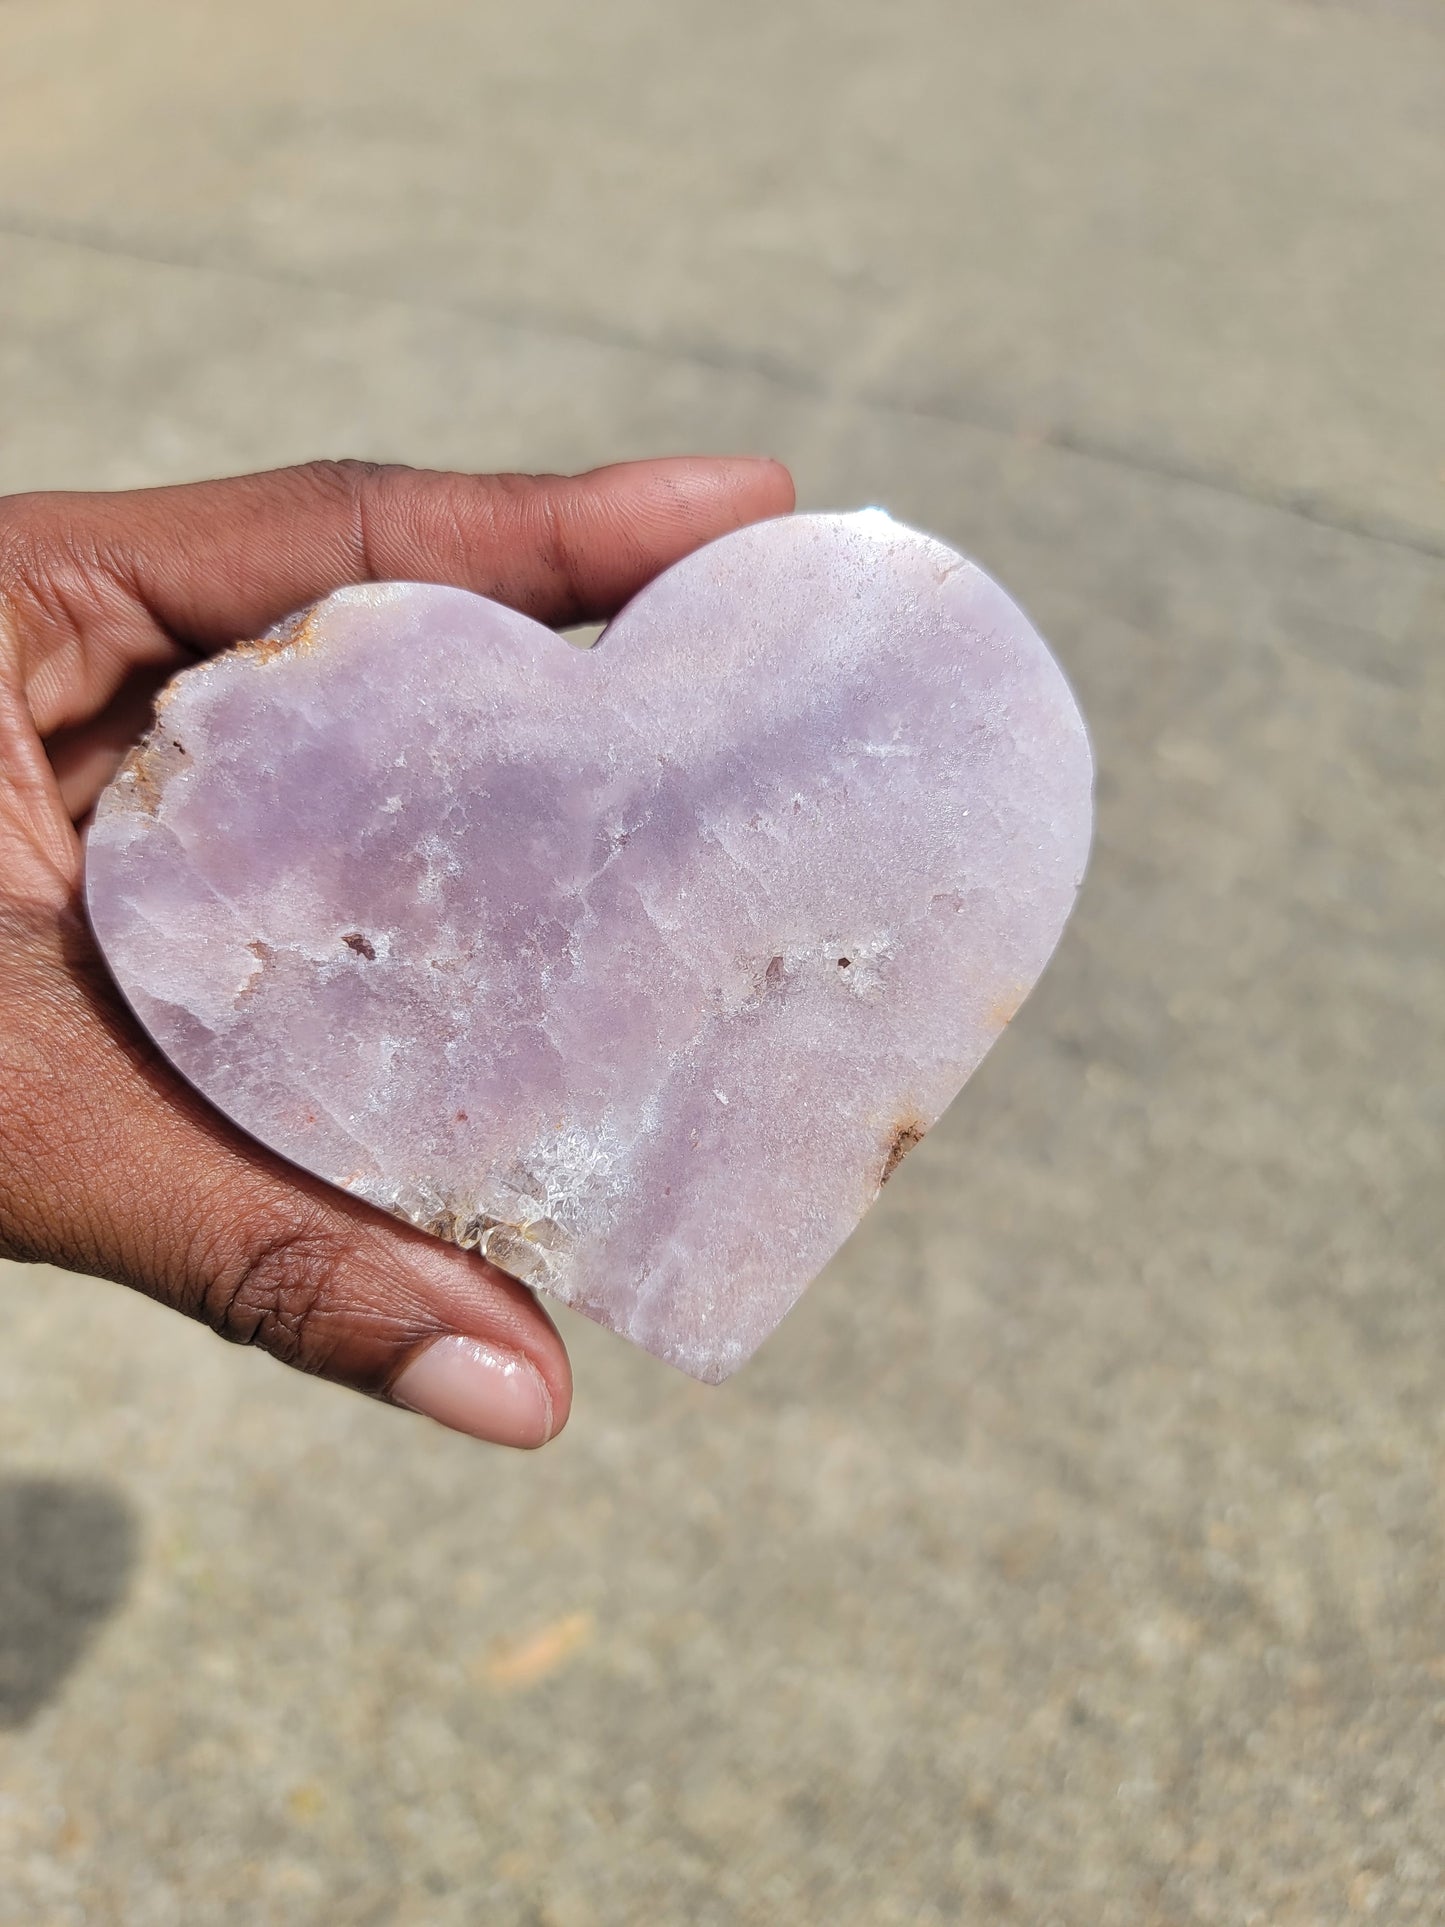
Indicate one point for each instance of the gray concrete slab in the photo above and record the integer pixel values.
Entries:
(1075, 1551)
(1205, 237)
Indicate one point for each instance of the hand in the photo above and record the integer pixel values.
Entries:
(110, 1163)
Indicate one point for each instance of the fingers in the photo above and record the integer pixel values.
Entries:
(110, 1164)
(214, 562)
(223, 559)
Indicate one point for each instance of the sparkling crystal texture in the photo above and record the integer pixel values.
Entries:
(637, 968)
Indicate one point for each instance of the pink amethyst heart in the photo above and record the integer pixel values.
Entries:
(637, 968)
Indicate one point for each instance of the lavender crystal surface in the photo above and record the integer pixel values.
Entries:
(637, 968)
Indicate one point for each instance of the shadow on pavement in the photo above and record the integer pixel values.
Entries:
(67, 1551)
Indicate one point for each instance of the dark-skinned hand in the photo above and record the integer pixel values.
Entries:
(109, 1162)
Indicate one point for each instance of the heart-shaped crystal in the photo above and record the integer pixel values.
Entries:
(638, 967)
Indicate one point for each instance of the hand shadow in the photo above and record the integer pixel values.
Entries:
(67, 1550)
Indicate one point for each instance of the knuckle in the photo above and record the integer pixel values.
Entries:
(369, 495)
(554, 535)
(26, 547)
(282, 1292)
(538, 513)
(344, 475)
(55, 561)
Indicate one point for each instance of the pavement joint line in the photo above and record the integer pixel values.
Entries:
(1385, 532)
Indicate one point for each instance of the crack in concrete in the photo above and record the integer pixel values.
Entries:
(1301, 505)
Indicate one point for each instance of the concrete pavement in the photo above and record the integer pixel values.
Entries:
(1075, 1552)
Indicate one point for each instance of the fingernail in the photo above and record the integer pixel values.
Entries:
(474, 1388)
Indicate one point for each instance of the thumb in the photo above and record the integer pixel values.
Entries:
(110, 1164)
